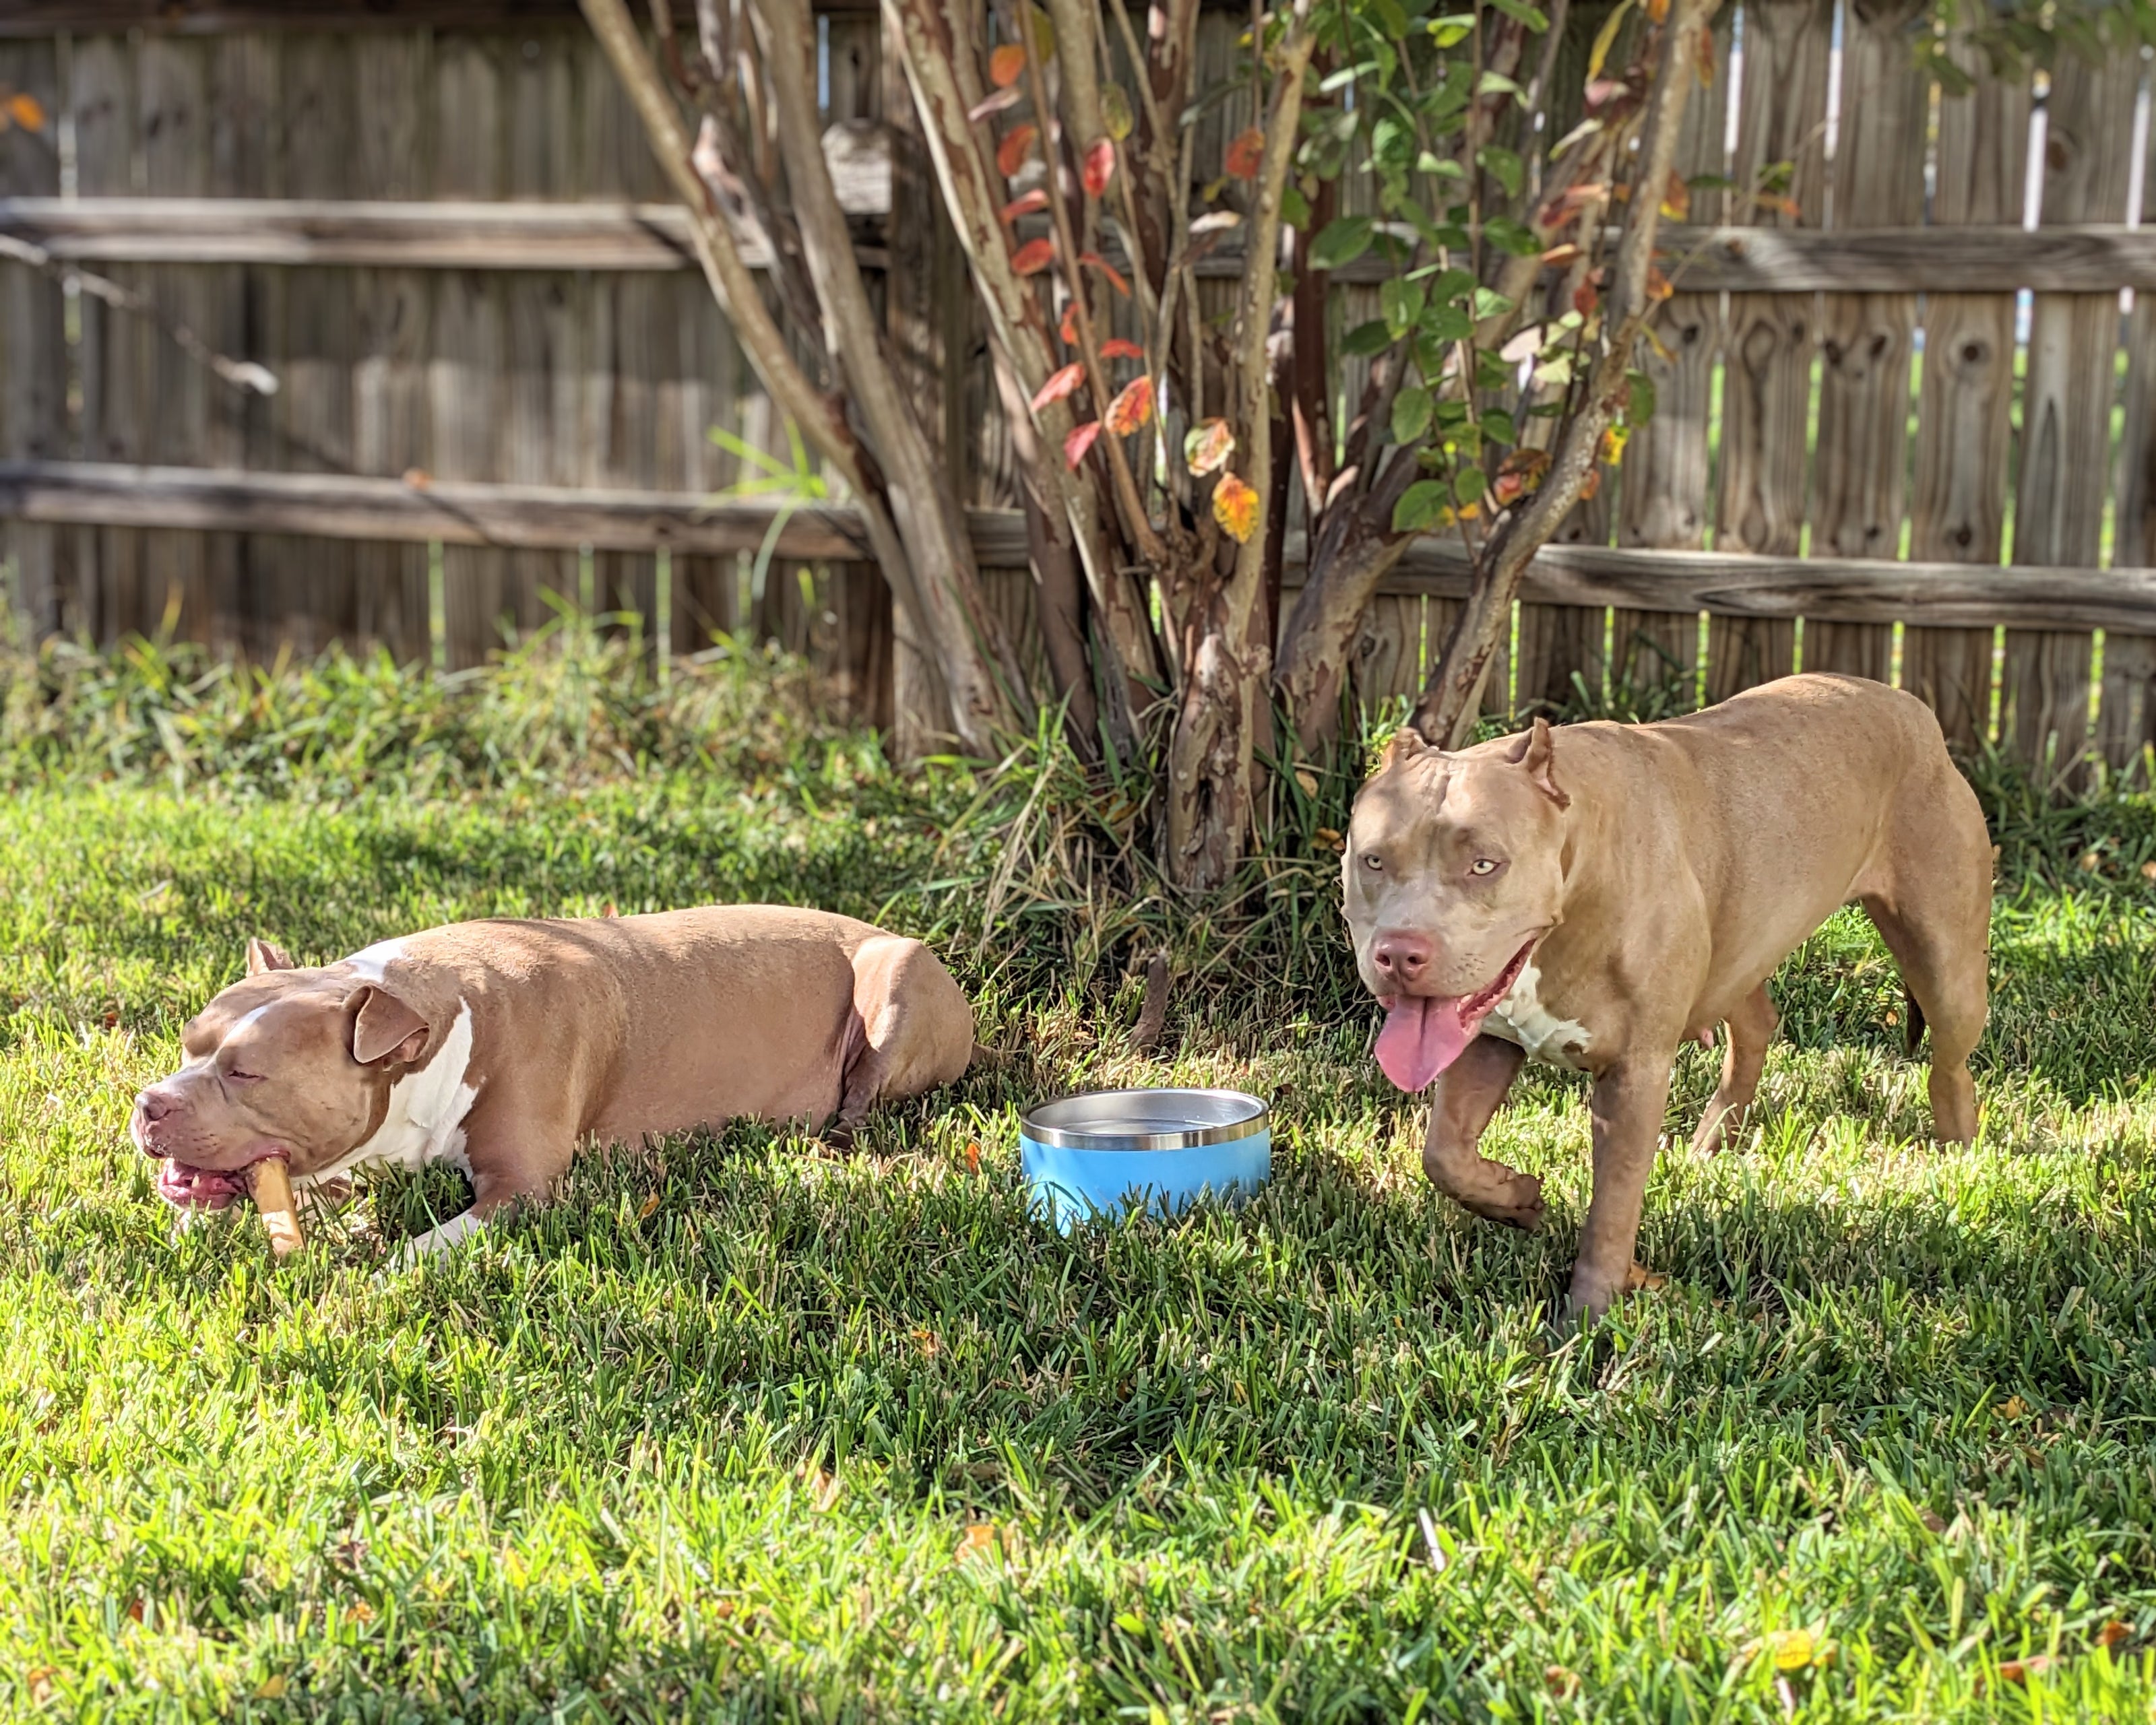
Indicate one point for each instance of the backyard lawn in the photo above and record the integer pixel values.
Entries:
(746, 1427)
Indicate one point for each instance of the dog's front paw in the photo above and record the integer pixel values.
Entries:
(1516, 1200)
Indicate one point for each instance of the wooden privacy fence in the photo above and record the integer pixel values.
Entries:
(1907, 428)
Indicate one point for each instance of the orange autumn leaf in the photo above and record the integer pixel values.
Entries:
(1658, 284)
(1068, 330)
(1246, 155)
(1032, 258)
(1676, 199)
(1036, 199)
(1132, 408)
(1207, 446)
(1098, 167)
(1118, 349)
(1613, 439)
(1115, 276)
(2019, 1671)
(1593, 485)
(1059, 384)
(1006, 64)
(1010, 154)
(1081, 439)
(1585, 297)
(2113, 1633)
(1658, 11)
(1235, 508)
(980, 1537)
(974, 1156)
(26, 111)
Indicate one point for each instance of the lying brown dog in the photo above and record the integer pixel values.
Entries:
(497, 1047)
(1595, 897)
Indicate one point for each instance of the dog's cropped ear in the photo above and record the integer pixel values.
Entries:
(385, 1027)
(1538, 755)
(264, 955)
(1405, 744)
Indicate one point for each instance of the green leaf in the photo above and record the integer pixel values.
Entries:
(1514, 237)
(1342, 241)
(1391, 18)
(1402, 303)
(1468, 484)
(1410, 414)
(1641, 408)
(1451, 30)
(1444, 166)
(1449, 323)
(1295, 207)
(1367, 340)
(1421, 506)
(1492, 372)
(1503, 166)
(1490, 303)
(1522, 13)
(1497, 426)
(1605, 38)
(1496, 83)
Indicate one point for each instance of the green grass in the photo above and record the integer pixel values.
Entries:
(707, 1437)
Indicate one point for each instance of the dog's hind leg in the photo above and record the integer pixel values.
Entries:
(1933, 910)
(915, 1028)
(1751, 1028)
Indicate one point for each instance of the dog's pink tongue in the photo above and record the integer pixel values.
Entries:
(1421, 1037)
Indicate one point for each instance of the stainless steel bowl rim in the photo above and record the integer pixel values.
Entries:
(1241, 1116)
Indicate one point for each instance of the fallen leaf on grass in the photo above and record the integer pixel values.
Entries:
(1560, 1682)
(980, 1537)
(1791, 1649)
(973, 1157)
(39, 1681)
(2113, 1633)
(2014, 1408)
(2019, 1671)
(1327, 839)
(646, 1210)
(1933, 1520)
(271, 1688)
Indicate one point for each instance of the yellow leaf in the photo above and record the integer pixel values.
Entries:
(1605, 38)
(2014, 1409)
(39, 1681)
(1613, 439)
(1235, 508)
(1116, 112)
(645, 1210)
(272, 1689)
(1791, 1649)
(980, 1537)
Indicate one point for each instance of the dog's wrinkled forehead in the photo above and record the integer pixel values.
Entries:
(277, 1015)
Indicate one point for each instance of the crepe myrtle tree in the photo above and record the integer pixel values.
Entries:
(1159, 446)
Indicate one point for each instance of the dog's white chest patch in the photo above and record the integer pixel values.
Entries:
(1521, 1017)
(427, 1109)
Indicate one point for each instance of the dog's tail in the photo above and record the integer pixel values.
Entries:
(1913, 1033)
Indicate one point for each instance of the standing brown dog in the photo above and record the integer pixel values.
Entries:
(1596, 896)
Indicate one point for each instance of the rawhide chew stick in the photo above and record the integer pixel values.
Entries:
(272, 1189)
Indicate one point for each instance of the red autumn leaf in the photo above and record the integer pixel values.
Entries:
(1114, 276)
(1059, 384)
(1080, 439)
(1119, 349)
(994, 103)
(1132, 408)
(1032, 258)
(1235, 508)
(1069, 328)
(1006, 65)
(1011, 153)
(1246, 155)
(1036, 199)
(1098, 167)
(1585, 297)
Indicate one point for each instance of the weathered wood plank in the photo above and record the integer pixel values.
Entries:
(55, 18)
(2066, 411)
(33, 384)
(1868, 340)
(1964, 420)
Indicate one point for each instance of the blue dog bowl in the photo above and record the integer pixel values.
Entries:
(1096, 1155)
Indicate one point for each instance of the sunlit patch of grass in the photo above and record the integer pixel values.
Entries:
(849, 1436)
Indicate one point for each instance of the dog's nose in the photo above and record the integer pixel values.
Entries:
(155, 1104)
(1400, 956)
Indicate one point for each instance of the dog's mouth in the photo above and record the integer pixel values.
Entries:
(1424, 1034)
(185, 1186)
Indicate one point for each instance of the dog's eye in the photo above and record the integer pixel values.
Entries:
(1374, 862)
(239, 1077)
(1483, 865)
